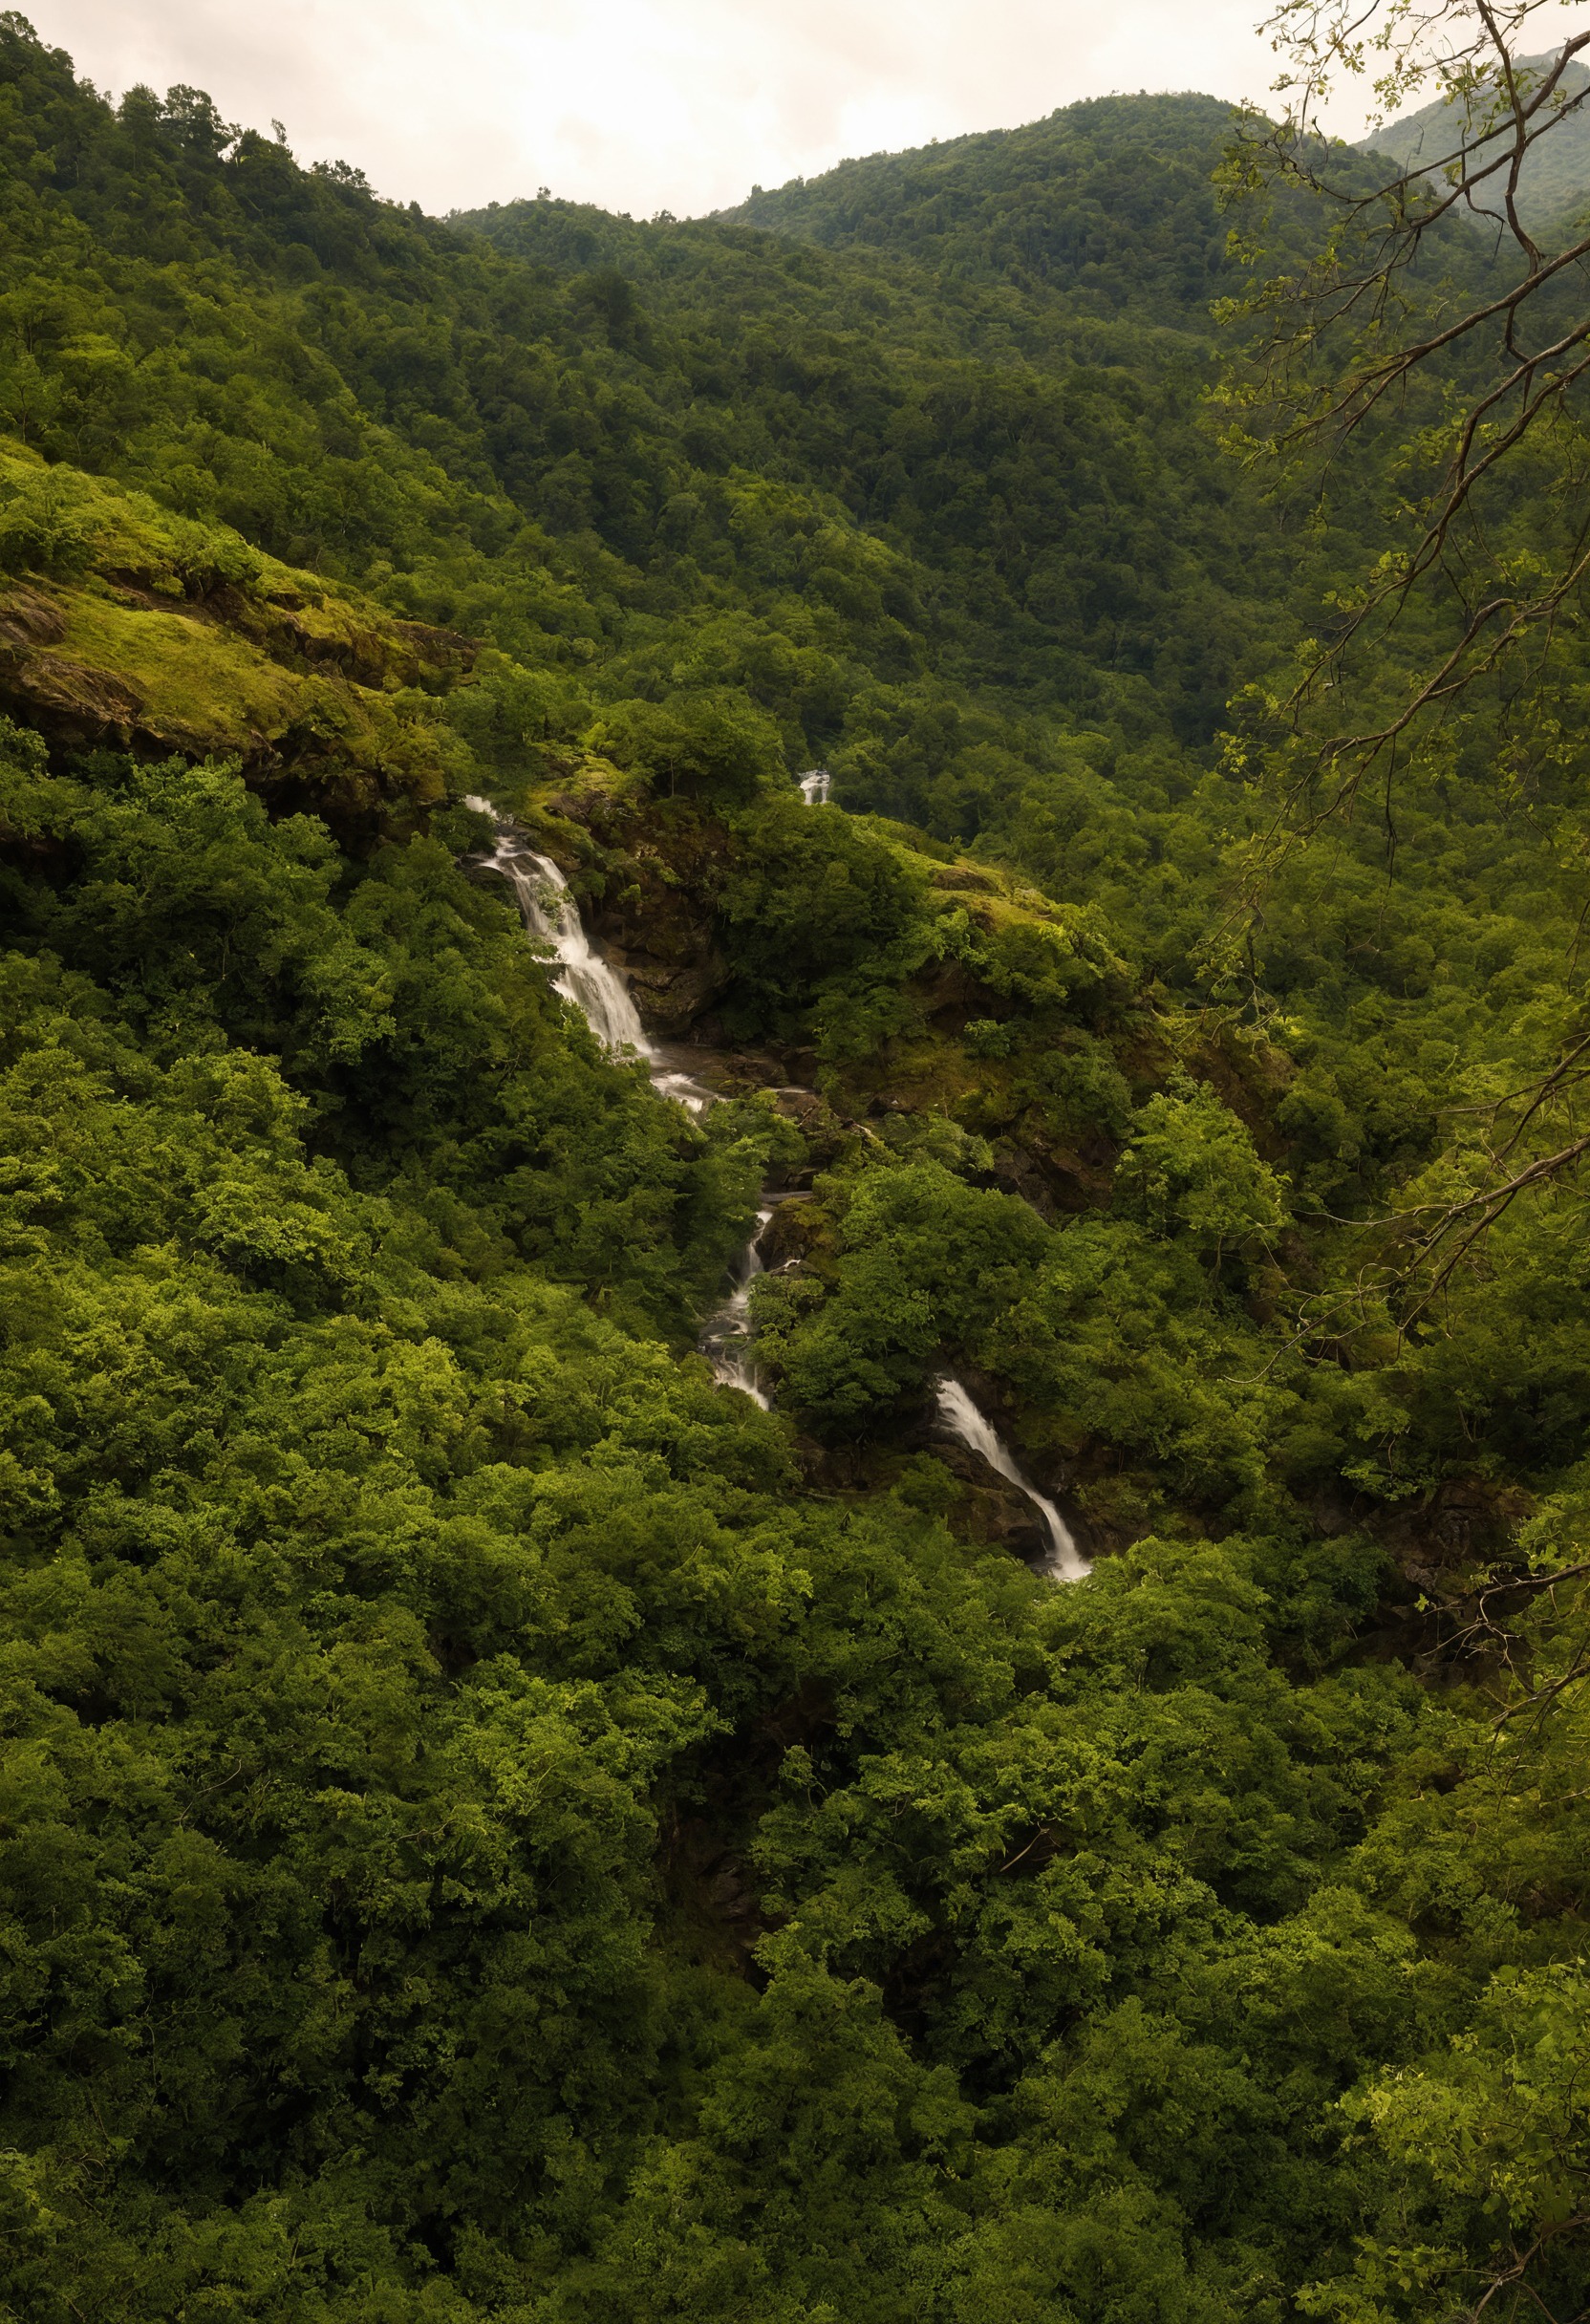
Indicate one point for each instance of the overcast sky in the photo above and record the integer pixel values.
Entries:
(643, 106)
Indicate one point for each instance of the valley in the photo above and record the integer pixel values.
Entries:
(773, 1543)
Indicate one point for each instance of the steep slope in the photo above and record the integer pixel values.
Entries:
(1107, 203)
(498, 1829)
(131, 626)
(1554, 185)
(415, 402)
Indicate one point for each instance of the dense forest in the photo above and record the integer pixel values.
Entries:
(499, 1827)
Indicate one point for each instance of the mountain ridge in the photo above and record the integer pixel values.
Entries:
(1104, 163)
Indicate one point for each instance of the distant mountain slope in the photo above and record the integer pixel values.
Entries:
(1554, 181)
(807, 475)
(992, 354)
(498, 1829)
(1109, 200)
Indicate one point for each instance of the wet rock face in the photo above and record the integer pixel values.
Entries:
(73, 702)
(670, 996)
(789, 1235)
(29, 620)
(990, 1510)
(660, 937)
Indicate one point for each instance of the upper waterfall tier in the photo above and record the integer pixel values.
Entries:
(594, 985)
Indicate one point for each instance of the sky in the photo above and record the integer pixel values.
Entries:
(645, 105)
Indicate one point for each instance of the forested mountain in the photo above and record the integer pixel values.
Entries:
(499, 1827)
(1109, 204)
(1554, 182)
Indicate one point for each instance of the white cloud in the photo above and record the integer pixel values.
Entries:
(645, 104)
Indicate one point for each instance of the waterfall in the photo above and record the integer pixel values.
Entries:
(548, 911)
(552, 915)
(816, 787)
(958, 1414)
(725, 1340)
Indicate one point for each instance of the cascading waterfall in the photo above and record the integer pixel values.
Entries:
(552, 915)
(727, 1341)
(816, 787)
(1064, 1561)
(595, 987)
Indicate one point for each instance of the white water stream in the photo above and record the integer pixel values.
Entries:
(595, 987)
(816, 787)
(552, 915)
(726, 1339)
(958, 1413)
(592, 983)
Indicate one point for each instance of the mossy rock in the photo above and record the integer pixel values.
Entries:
(132, 627)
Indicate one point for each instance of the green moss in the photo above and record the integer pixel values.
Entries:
(125, 622)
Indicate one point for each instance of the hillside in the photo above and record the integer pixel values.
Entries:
(927, 407)
(1554, 185)
(500, 1824)
(1108, 204)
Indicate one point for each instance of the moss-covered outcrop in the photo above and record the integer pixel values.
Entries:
(122, 624)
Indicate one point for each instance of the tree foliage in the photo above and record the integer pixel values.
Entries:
(495, 1828)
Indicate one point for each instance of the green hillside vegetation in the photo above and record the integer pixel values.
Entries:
(1553, 184)
(126, 621)
(1109, 203)
(496, 1828)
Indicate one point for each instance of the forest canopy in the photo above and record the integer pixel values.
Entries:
(497, 1827)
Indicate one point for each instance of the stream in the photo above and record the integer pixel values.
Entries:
(957, 1412)
(728, 1339)
(552, 915)
(595, 988)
